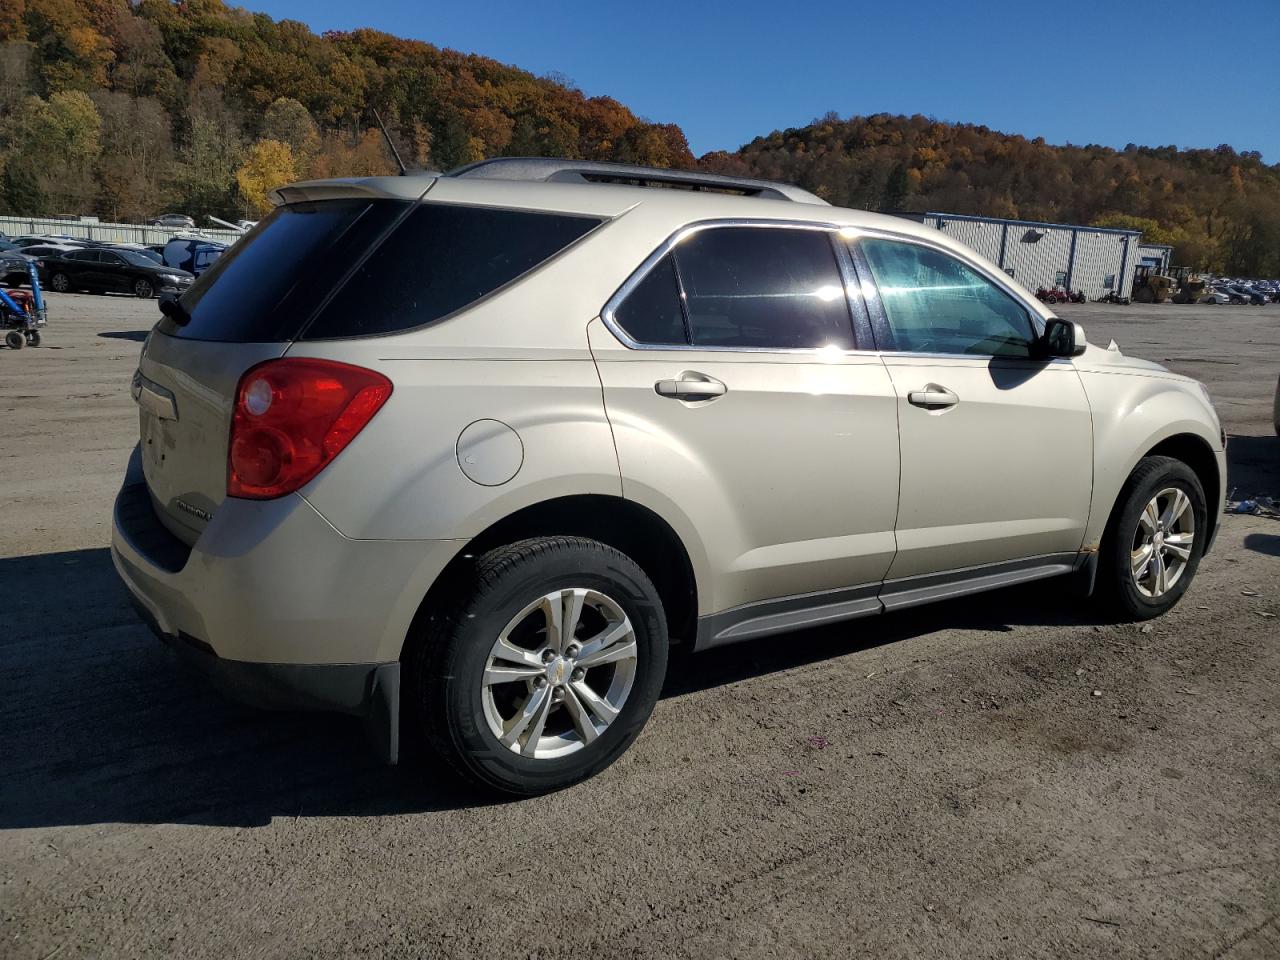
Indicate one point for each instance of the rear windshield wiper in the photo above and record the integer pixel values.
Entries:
(175, 311)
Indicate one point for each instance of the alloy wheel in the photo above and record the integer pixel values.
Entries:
(1162, 542)
(559, 673)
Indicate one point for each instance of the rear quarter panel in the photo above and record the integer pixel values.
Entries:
(401, 479)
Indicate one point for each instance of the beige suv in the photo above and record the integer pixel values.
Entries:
(463, 454)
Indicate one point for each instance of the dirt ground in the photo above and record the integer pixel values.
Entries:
(941, 783)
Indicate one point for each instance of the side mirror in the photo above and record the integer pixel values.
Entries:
(1062, 338)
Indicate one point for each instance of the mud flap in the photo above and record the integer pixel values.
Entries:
(382, 721)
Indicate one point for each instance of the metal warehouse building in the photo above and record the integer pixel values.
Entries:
(1156, 256)
(1090, 259)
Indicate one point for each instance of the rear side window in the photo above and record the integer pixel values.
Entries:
(763, 288)
(268, 284)
(651, 312)
(443, 257)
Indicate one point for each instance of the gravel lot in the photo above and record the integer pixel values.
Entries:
(941, 783)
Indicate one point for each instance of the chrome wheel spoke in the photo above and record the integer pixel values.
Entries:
(579, 716)
(594, 702)
(1150, 519)
(531, 718)
(1141, 559)
(563, 611)
(615, 642)
(1160, 579)
(507, 651)
(1175, 508)
(501, 674)
(619, 651)
(1179, 544)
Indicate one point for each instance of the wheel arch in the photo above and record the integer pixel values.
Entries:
(1196, 453)
(623, 524)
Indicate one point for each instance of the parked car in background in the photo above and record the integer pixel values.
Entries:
(148, 252)
(732, 416)
(1215, 295)
(177, 221)
(1246, 295)
(193, 254)
(43, 240)
(103, 270)
(34, 252)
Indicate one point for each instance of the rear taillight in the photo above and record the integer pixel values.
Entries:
(292, 417)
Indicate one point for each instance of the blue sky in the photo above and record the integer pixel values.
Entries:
(1199, 74)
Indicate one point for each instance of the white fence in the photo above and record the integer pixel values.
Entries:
(111, 232)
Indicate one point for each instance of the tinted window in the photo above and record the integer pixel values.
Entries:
(134, 257)
(269, 283)
(112, 258)
(763, 287)
(936, 304)
(651, 312)
(441, 258)
(83, 256)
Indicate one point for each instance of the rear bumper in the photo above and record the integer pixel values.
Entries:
(276, 606)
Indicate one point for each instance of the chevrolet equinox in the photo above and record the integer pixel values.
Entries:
(464, 453)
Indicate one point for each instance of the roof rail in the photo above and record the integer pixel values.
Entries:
(597, 171)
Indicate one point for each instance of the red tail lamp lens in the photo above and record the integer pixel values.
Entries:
(292, 417)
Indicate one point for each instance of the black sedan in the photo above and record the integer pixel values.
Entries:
(100, 270)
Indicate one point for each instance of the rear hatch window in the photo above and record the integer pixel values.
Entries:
(267, 285)
(360, 267)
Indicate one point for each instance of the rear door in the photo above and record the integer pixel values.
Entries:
(740, 403)
(112, 273)
(997, 447)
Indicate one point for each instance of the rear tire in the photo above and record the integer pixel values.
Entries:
(1154, 539)
(60, 282)
(15, 340)
(33, 338)
(497, 622)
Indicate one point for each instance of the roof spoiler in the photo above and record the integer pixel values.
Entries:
(595, 171)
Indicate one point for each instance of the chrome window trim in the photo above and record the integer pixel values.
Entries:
(608, 312)
(859, 306)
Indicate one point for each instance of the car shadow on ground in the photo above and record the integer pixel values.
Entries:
(137, 336)
(100, 723)
(1253, 467)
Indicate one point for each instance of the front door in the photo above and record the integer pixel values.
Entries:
(997, 447)
(741, 411)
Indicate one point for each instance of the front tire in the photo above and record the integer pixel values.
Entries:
(15, 340)
(1154, 539)
(143, 290)
(543, 668)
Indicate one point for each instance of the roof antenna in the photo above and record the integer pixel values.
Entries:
(404, 172)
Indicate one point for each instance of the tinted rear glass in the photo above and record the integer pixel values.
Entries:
(441, 258)
(266, 286)
(651, 312)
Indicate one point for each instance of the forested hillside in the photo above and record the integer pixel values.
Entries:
(129, 109)
(1220, 208)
